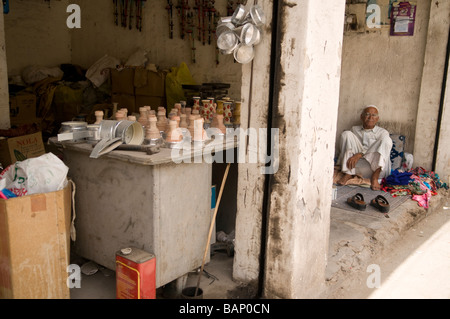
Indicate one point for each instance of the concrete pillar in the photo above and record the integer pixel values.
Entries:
(305, 111)
(443, 151)
(430, 90)
(4, 93)
(255, 92)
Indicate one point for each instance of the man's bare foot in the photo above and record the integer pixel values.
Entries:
(374, 185)
(344, 179)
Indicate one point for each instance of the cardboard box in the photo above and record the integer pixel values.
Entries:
(122, 82)
(22, 106)
(21, 148)
(125, 101)
(153, 84)
(153, 101)
(35, 246)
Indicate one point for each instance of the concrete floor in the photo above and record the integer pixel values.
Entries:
(355, 240)
(216, 282)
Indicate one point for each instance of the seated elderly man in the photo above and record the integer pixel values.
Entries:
(367, 142)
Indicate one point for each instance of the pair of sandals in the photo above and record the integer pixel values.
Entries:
(379, 202)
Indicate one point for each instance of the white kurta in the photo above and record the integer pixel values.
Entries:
(375, 144)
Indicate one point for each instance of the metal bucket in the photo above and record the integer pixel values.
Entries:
(189, 293)
(130, 132)
(70, 126)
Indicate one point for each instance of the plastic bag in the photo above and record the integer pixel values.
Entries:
(139, 58)
(98, 73)
(174, 81)
(43, 174)
(34, 73)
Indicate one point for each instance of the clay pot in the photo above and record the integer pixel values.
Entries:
(162, 121)
(183, 121)
(177, 106)
(199, 131)
(196, 114)
(143, 118)
(196, 105)
(188, 112)
(191, 126)
(220, 125)
(219, 108)
(152, 131)
(205, 110)
(227, 113)
(174, 134)
(237, 113)
(98, 117)
(120, 115)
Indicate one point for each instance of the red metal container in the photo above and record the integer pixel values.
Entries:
(135, 274)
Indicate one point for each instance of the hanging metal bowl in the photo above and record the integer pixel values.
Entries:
(239, 15)
(248, 34)
(227, 41)
(244, 53)
(224, 27)
(257, 15)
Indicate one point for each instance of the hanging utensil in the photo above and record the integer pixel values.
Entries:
(139, 9)
(204, 10)
(169, 9)
(211, 12)
(216, 23)
(198, 9)
(116, 12)
(130, 20)
(190, 32)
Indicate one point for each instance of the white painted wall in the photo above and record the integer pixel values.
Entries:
(386, 71)
(4, 98)
(36, 34)
(99, 36)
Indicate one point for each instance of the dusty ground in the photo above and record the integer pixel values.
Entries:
(414, 267)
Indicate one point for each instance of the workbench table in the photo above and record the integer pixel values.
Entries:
(129, 198)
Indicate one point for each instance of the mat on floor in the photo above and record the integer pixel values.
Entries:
(344, 192)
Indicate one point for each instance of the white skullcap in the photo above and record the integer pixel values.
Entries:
(365, 107)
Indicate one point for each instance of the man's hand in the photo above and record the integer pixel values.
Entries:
(351, 162)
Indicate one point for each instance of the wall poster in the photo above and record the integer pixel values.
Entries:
(403, 16)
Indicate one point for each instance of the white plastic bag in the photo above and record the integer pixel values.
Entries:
(139, 58)
(98, 73)
(43, 174)
(35, 73)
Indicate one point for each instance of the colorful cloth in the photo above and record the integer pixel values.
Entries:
(422, 185)
(399, 178)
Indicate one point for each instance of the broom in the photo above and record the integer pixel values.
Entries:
(211, 227)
